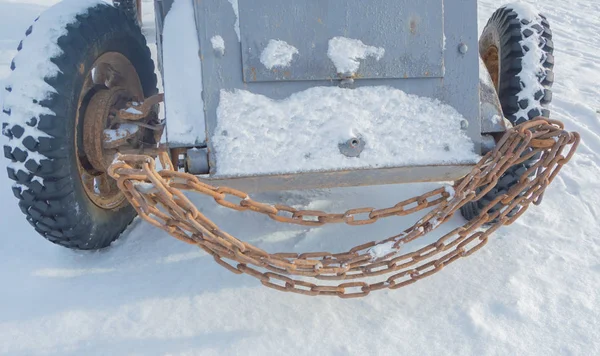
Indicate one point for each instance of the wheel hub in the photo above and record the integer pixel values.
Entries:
(99, 117)
(110, 84)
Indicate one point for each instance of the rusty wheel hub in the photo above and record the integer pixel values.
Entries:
(99, 140)
(110, 85)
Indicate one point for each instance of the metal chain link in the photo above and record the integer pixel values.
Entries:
(158, 199)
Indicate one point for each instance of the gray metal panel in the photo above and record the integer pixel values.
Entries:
(459, 87)
(411, 32)
(360, 177)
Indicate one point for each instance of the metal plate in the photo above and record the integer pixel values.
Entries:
(459, 86)
(360, 177)
(411, 32)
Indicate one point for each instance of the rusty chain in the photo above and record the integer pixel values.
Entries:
(158, 198)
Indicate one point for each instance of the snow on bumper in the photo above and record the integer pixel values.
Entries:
(258, 135)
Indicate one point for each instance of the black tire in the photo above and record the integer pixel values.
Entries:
(133, 9)
(50, 190)
(505, 32)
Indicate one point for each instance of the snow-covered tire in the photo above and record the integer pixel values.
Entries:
(44, 119)
(516, 46)
(133, 9)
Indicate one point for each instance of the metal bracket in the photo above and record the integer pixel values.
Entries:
(353, 147)
(137, 111)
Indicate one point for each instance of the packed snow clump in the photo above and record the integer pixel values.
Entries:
(124, 130)
(382, 250)
(450, 190)
(278, 54)
(32, 65)
(524, 11)
(259, 135)
(134, 111)
(345, 53)
(218, 44)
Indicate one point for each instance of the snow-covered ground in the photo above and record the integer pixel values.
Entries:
(533, 290)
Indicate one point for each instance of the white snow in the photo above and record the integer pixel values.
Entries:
(133, 110)
(278, 54)
(123, 130)
(256, 134)
(70, 273)
(236, 11)
(218, 44)
(38, 179)
(524, 11)
(346, 53)
(450, 190)
(183, 76)
(27, 84)
(532, 290)
(382, 250)
(145, 188)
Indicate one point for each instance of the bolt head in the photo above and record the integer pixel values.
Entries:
(463, 48)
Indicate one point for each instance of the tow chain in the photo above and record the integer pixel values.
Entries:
(375, 265)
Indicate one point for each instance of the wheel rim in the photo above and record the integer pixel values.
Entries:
(112, 80)
(491, 59)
